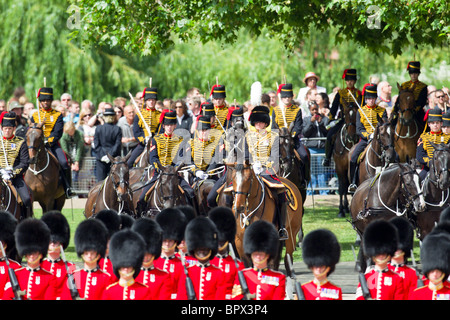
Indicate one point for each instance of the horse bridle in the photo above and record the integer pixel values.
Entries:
(436, 173)
(408, 196)
(161, 193)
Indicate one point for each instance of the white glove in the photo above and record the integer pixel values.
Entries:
(201, 175)
(257, 167)
(3, 171)
(9, 170)
(371, 136)
(105, 159)
(6, 176)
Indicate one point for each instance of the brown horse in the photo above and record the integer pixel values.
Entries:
(253, 200)
(43, 174)
(10, 203)
(435, 190)
(394, 192)
(408, 128)
(379, 152)
(114, 192)
(346, 138)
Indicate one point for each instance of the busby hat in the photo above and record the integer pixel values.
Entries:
(435, 253)
(259, 114)
(413, 67)
(350, 74)
(218, 91)
(111, 220)
(238, 112)
(207, 109)
(173, 223)
(151, 232)
(285, 90)
(223, 218)
(201, 232)
(446, 119)
(370, 91)
(320, 247)
(126, 249)
(109, 112)
(405, 234)
(261, 236)
(91, 234)
(45, 94)
(9, 119)
(204, 123)
(380, 237)
(150, 93)
(168, 117)
(32, 235)
(8, 224)
(434, 114)
(59, 227)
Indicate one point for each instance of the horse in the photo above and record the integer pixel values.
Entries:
(114, 192)
(203, 187)
(379, 153)
(253, 200)
(435, 190)
(408, 128)
(166, 192)
(399, 194)
(345, 140)
(43, 173)
(9, 201)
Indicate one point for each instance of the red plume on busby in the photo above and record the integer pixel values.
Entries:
(2, 115)
(279, 88)
(163, 113)
(345, 73)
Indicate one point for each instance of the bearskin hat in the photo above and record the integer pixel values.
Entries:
(405, 234)
(111, 219)
(59, 227)
(188, 211)
(261, 236)
(321, 248)
(126, 221)
(435, 253)
(126, 249)
(201, 232)
(151, 232)
(91, 234)
(445, 215)
(224, 220)
(173, 223)
(32, 235)
(380, 237)
(8, 224)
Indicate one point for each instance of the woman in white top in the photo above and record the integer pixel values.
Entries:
(310, 80)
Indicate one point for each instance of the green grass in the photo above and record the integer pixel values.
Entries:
(314, 218)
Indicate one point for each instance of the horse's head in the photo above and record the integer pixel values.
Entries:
(406, 104)
(384, 139)
(350, 113)
(35, 140)
(286, 151)
(410, 186)
(120, 176)
(242, 179)
(169, 185)
(439, 166)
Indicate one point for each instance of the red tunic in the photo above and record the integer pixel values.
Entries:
(208, 281)
(325, 291)
(265, 284)
(174, 267)
(4, 276)
(431, 292)
(131, 291)
(106, 266)
(383, 285)
(409, 277)
(158, 281)
(38, 283)
(90, 284)
(227, 265)
(58, 268)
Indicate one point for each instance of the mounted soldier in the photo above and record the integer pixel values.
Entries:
(218, 94)
(151, 117)
(14, 160)
(366, 121)
(342, 98)
(53, 130)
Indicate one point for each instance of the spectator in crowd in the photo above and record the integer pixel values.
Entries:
(120, 102)
(273, 98)
(66, 98)
(194, 106)
(72, 142)
(2, 105)
(309, 98)
(97, 118)
(16, 106)
(119, 112)
(184, 120)
(374, 79)
(27, 108)
(310, 80)
(167, 103)
(88, 132)
(73, 112)
(440, 99)
(193, 92)
(159, 105)
(314, 126)
(323, 102)
(431, 97)
(384, 99)
(126, 124)
(87, 106)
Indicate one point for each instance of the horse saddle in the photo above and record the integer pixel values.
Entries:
(138, 159)
(361, 155)
(15, 193)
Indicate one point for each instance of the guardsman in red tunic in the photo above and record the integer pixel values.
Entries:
(32, 239)
(59, 236)
(224, 220)
(173, 223)
(112, 222)
(126, 250)
(399, 261)
(208, 280)
(261, 245)
(380, 241)
(435, 257)
(158, 281)
(91, 238)
(8, 225)
(321, 253)
(189, 212)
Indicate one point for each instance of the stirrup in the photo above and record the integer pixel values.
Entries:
(326, 162)
(69, 193)
(352, 187)
(282, 234)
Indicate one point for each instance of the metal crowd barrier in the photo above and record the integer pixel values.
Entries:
(85, 179)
